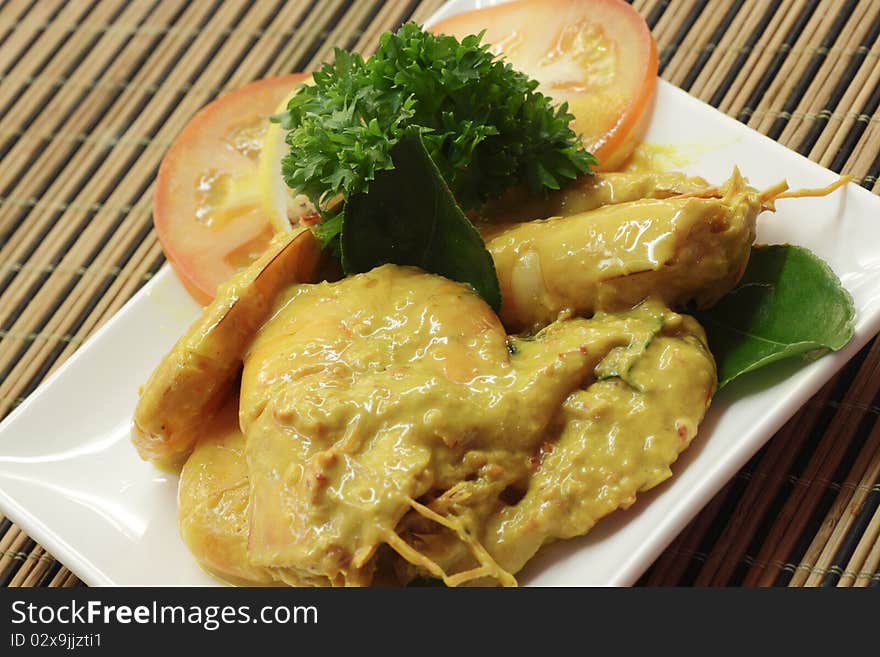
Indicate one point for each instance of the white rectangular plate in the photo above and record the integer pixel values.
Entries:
(70, 477)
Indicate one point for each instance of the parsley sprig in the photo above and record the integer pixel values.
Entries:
(483, 123)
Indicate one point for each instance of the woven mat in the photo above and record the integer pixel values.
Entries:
(92, 92)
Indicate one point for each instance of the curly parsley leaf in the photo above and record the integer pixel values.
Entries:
(483, 123)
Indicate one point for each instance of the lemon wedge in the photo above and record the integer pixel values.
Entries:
(284, 208)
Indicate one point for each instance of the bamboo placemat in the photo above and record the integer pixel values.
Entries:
(92, 92)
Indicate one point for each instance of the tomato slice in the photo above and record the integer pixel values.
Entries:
(207, 208)
(599, 55)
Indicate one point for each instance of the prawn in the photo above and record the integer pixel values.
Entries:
(197, 376)
(585, 194)
(687, 250)
(391, 408)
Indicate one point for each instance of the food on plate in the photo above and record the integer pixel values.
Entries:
(351, 372)
(587, 193)
(688, 248)
(463, 341)
(213, 500)
(615, 435)
(597, 56)
(193, 380)
(788, 303)
(392, 409)
(481, 122)
(208, 208)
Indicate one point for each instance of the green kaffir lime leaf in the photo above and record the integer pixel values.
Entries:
(788, 303)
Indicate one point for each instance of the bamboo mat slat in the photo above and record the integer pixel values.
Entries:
(92, 93)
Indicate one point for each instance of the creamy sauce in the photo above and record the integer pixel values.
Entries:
(658, 158)
(585, 194)
(213, 501)
(690, 247)
(196, 377)
(389, 427)
(419, 427)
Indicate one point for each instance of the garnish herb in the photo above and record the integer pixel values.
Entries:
(483, 124)
(618, 363)
(788, 303)
(409, 217)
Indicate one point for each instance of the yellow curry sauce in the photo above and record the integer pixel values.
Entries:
(693, 246)
(213, 500)
(390, 426)
(432, 432)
